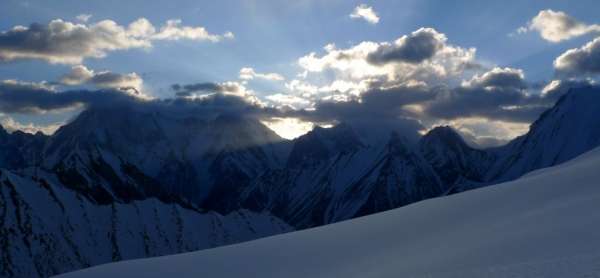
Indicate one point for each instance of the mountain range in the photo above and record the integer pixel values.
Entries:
(129, 182)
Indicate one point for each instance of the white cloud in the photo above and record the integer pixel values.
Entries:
(365, 12)
(63, 42)
(84, 17)
(556, 26)
(290, 100)
(580, 61)
(173, 30)
(357, 63)
(248, 73)
(302, 88)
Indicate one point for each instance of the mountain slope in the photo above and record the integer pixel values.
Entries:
(451, 158)
(46, 228)
(563, 132)
(335, 174)
(545, 230)
(19, 149)
(134, 153)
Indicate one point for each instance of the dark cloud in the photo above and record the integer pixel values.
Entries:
(376, 109)
(580, 61)
(105, 79)
(30, 98)
(506, 78)
(499, 94)
(189, 89)
(64, 42)
(18, 97)
(415, 48)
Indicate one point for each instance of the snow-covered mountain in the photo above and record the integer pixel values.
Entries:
(563, 132)
(333, 174)
(452, 159)
(47, 228)
(131, 153)
(124, 165)
(129, 182)
(546, 230)
(340, 173)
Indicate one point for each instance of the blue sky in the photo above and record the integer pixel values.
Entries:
(270, 37)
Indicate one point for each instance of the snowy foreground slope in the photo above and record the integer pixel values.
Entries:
(542, 225)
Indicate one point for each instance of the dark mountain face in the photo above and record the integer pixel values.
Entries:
(127, 154)
(19, 149)
(452, 159)
(334, 174)
(323, 143)
(402, 176)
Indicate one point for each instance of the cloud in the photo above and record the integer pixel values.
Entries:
(499, 94)
(412, 80)
(498, 78)
(365, 12)
(578, 61)
(377, 109)
(288, 100)
(302, 88)
(249, 74)
(482, 132)
(557, 88)
(27, 98)
(557, 26)
(173, 30)
(63, 42)
(394, 62)
(414, 48)
(207, 89)
(83, 17)
(35, 98)
(104, 79)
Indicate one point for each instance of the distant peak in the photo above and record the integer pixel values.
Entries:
(446, 132)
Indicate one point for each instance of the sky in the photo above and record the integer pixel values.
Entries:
(486, 68)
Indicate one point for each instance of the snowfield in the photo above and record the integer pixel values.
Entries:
(546, 224)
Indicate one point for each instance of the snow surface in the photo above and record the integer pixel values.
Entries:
(542, 225)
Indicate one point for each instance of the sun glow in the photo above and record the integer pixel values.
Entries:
(289, 128)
